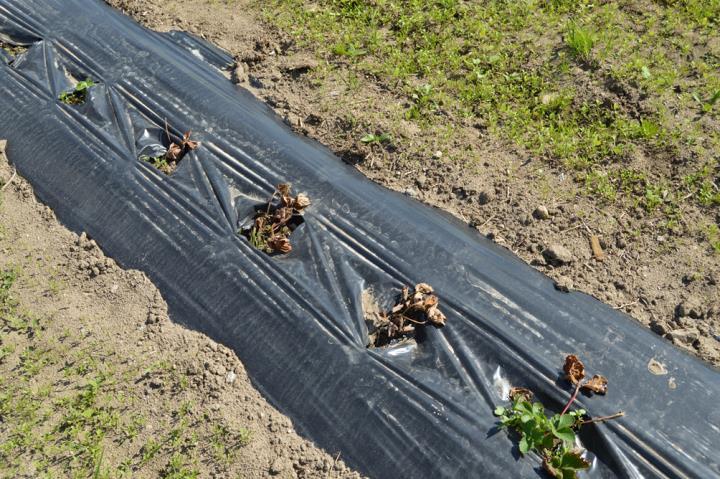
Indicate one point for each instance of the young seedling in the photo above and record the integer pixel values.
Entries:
(273, 225)
(373, 139)
(78, 95)
(418, 308)
(168, 162)
(553, 438)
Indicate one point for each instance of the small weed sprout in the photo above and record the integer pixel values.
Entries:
(373, 139)
(78, 95)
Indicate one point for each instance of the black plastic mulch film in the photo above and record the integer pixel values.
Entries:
(296, 321)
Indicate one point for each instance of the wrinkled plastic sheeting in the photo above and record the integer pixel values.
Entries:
(296, 321)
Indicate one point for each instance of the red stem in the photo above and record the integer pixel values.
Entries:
(572, 398)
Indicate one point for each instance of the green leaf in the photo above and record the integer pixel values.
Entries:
(573, 460)
(646, 73)
(566, 435)
(523, 445)
(369, 138)
(499, 411)
(524, 407)
(565, 421)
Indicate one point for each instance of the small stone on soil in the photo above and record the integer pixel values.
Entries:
(691, 307)
(684, 336)
(541, 213)
(564, 284)
(558, 255)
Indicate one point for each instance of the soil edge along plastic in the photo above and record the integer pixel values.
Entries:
(296, 320)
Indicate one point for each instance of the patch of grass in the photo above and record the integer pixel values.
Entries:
(67, 403)
(509, 68)
(580, 41)
(11, 318)
(225, 442)
(712, 233)
(703, 184)
(177, 468)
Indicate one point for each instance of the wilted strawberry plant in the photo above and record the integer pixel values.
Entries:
(413, 309)
(78, 95)
(175, 152)
(553, 438)
(273, 224)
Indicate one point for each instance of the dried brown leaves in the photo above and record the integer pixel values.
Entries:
(574, 369)
(598, 384)
(575, 373)
(272, 226)
(175, 152)
(523, 394)
(414, 308)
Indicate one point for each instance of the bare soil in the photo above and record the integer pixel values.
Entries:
(667, 281)
(95, 380)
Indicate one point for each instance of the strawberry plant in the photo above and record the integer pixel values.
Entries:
(273, 225)
(553, 438)
(175, 152)
(78, 95)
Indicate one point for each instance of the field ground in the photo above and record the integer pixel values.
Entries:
(96, 381)
(541, 124)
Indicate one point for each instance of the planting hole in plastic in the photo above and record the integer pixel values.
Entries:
(12, 51)
(247, 228)
(78, 94)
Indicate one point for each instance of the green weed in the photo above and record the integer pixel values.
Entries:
(373, 139)
(712, 233)
(225, 442)
(495, 64)
(177, 468)
(159, 162)
(580, 41)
